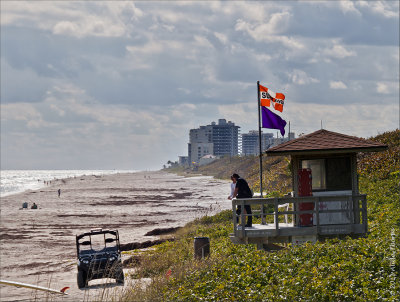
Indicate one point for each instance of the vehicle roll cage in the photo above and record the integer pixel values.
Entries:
(97, 232)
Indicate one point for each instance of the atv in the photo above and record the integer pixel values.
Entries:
(99, 256)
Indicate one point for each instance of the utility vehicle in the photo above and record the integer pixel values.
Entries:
(99, 256)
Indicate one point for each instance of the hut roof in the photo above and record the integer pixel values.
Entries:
(324, 141)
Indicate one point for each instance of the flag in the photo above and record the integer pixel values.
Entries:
(272, 121)
(267, 96)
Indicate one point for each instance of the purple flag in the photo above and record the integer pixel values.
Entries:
(272, 121)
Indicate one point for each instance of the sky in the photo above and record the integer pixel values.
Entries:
(118, 85)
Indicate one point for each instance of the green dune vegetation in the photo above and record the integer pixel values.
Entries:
(363, 269)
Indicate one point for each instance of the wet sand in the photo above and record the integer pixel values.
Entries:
(38, 246)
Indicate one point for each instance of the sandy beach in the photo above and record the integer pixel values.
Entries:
(38, 246)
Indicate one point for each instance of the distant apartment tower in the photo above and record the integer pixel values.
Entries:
(250, 142)
(225, 137)
(200, 144)
(215, 139)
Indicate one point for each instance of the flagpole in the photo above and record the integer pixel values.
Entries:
(259, 136)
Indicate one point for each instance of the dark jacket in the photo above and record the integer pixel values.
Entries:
(243, 189)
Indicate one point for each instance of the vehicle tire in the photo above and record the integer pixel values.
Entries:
(82, 280)
(119, 276)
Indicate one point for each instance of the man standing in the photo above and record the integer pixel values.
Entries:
(242, 190)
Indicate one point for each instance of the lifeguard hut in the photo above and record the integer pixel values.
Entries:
(325, 201)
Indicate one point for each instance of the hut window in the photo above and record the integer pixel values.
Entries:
(317, 167)
(330, 174)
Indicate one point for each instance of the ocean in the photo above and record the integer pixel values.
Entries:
(17, 181)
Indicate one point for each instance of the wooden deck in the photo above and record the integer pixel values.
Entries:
(353, 211)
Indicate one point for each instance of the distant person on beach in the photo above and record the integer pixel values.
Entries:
(34, 206)
(25, 205)
(233, 185)
(242, 190)
(59, 192)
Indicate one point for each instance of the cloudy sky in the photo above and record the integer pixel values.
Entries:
(118, 85)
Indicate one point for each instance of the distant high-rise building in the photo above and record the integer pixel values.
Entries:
(250, 142)
(225, 137)
(200, 144)
(215, 139)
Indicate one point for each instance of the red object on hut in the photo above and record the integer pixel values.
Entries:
(305, 189)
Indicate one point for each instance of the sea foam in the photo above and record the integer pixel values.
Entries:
(17, 181)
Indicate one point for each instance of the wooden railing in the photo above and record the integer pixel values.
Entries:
(356, 212)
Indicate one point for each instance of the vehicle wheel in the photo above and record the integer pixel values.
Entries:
(120, 276)
(82, 282)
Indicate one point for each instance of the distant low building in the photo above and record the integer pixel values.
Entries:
(207, 159)
(183, 161)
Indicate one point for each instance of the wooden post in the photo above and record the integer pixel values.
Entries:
(234, 217)
(356, 209)
(295, 181)
(354, 176)
(263, 220)
(276, 217)
(242, 217)
(317, 213)
(350, 212)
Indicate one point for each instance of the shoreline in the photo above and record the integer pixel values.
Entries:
(134, 203)
(46, 181)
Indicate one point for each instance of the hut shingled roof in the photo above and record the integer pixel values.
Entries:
(323, 141)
